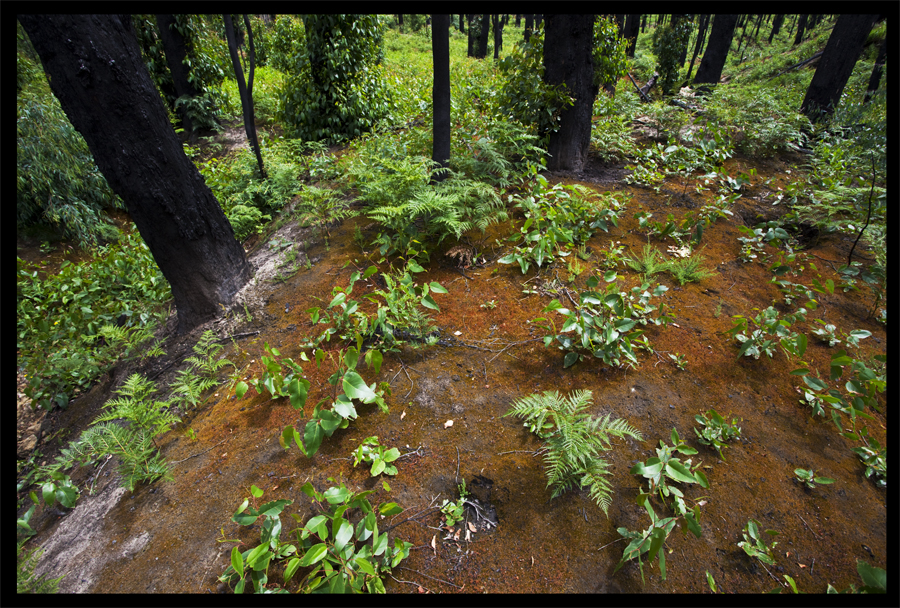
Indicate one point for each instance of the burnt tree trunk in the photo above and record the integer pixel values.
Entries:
(698, 46)
(176, 52)
(845, 44)
(801, 25)
(483, 34)
(529, 26)
(440, 52)
(875, 78)
(568, 60)
(717, 47)
(776, 27)
(96, 72)
(245, 89)
(632, 28)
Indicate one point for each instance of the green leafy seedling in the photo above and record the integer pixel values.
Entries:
(809, 478)
(754, 546)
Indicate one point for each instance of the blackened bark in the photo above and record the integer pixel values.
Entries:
(518, 20)
(632, 27)
(471, 38)
(483, 36)
(497, 36)
(643, 23)
(440, 52)
(568, 59)
(400, 22)
(245, 90)
(174, 46)
(620, 23)
(801, 25)
(717, 47)
(875, 78)
(841, 53)
(529, 26)
(96, 72)
(698, 46)
(462, 27)
(776, 27)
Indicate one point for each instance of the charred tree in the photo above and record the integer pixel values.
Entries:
(440, 52)
(529, 26)
(632, 28)
(875, 78)
(717, 47)
(776, 27)
(801, 26)
(245, 89)
(568, 60)
(845, 45)
(176, 52)
(96, 72)
(698, 46)
(483, 34)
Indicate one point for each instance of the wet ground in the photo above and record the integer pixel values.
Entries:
(163, 537)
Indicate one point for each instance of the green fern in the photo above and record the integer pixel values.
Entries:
(187, 388)
(133, 404)
(573, 440)
(129, 340)
(26, 581)
(207, 350)
(322, 207)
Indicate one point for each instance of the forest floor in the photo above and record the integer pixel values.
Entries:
(166, 537)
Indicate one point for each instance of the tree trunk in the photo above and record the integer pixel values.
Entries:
(518, 19)
(568, 59)
(173, 43)
(498, 37)
(841, 53)
(529, 26)
(471, 38)
(96, 72)
(801, 25)
(632, 28)
(400, 22)
(462, 27)
(440, 52)
(483, 34)
(717, 47)
(245, 90)
(875, 79)
(776, 27)
(698, 46)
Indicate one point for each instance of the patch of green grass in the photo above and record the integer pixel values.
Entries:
(649, 263)
(689, 270)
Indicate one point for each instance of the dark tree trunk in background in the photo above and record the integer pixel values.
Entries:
(245, 89)
(620, 23)
(717, 47)
(97, 73)
(875, 79)
(845, 44)
(518, 20)
(498, 37)
(471, 37)
(776, 27)
(462, 27)
(759, 19)
(400, 22)
(484, 32)
(568, 43)
(529, 26)
(632, 28)
(683, 57)
(698, 46)
(801, 26)
(173, 44)
(440, 52)
(643, 23)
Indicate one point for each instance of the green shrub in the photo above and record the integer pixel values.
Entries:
(57, 182)
(335, 89)
(285, 42)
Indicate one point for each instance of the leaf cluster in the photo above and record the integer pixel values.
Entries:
(370, 450)
(573, 441)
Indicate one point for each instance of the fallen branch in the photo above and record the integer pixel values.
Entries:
(797, 65)
(201, 453)
(642, 94)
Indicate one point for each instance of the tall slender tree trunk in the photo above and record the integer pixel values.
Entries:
(529, 26)
(245, 89)
(801, 26)
(484, 32)
(632, 28)
(440, 53)
(776, 27)
(841, 53)
(568, 59)
(717, 48)
(176, 53)
(97, 73)
(875, 78)
(698, 46)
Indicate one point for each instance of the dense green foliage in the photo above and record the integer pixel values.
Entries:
(57, 182)
(59, 316)
(335, 90)
(609, 54)
(668, 43)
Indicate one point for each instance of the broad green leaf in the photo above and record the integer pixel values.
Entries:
(237, 562)
(241, 389)
(374, 359)
(315, 554)
(428, 302)
(345, 409)
(872, 576)
(298, 389)
(344, 534)
(356, 388)
(255, 491)
(391, 455)
(814, 383)
(377, 467)
(292, 567)
(351, 357)
(679, 472)
(570, 359)
(336, 495)
(389, 508)
(365, 566)
(437, 287)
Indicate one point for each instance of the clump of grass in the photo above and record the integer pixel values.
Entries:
(649, 263)
(689, 270)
